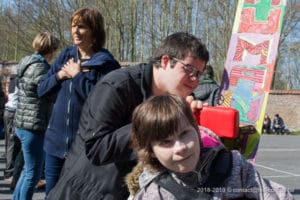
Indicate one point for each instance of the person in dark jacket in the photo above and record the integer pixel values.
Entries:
(32, 113)
(208, 90)
(278, 124)
(101, 156)
(71, 77)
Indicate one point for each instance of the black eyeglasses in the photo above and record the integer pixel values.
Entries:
(189, 69)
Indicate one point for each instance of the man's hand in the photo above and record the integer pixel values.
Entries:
(195, 104)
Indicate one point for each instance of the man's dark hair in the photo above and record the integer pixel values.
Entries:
(179, 45)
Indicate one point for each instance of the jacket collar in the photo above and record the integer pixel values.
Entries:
(200, 175)
(98, 59)
(147, 77)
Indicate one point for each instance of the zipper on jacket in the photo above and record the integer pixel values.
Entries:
(68, 120)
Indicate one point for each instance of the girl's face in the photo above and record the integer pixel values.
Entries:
(179, 153)
(82, 35)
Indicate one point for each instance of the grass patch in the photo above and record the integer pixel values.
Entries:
(295, 133)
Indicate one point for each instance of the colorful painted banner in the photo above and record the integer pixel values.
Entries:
(250, 66)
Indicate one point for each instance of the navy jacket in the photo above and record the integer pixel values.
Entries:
(71, 94)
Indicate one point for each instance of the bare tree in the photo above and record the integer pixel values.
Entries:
(286, 69)
(135, 28)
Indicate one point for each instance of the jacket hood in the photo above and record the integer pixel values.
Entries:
(205, 79)
(146, 177)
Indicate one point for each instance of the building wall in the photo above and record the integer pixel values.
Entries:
(10, 66)
(287, 105)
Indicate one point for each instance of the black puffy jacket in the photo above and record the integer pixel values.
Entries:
(32, 112)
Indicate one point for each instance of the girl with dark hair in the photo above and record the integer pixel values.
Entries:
(177, 165)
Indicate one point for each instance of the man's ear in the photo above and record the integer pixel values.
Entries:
(164, 61)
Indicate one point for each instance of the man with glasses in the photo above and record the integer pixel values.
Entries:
(190, 69)
(101, 155)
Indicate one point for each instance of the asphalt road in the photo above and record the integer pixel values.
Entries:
(278, 159)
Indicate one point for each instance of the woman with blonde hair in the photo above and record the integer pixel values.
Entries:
(32, 113)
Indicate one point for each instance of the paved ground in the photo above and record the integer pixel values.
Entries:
(278, 159)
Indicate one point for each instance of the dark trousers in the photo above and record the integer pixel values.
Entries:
(12, 142)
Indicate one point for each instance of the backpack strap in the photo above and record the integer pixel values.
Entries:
(220, 170)
(24, 70)
(214, 97)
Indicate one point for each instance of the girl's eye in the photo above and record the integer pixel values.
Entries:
(166, 142)
(81, 26)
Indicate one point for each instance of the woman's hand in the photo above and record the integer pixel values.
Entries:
(72, 68)
(62, 75)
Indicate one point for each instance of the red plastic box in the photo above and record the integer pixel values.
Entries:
(223, 121)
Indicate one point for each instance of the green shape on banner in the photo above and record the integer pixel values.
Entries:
(262, 9)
